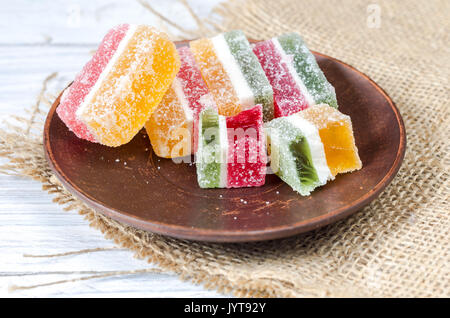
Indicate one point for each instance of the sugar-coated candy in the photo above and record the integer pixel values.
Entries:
(74, 95)
(294, 74)
(336, 133)
(172, 125)
(118, 89)
(297, 154)
(231, 150)
(233, 74)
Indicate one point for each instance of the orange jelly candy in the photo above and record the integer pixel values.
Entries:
(336, 133)
(131, 86)
(216, 77)
(171, 127)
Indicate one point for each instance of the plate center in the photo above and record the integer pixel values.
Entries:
(181, 173)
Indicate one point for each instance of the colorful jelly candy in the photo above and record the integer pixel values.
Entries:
(292, 70)
(297, 154)
(233, 74)
(171, 126)
(336, 133)
(231, 150)
(118, 89)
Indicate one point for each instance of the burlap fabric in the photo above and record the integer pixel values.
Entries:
(399, 244)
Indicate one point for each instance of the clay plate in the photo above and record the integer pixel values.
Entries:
(161, 196)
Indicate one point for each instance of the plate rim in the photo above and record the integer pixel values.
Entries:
(209, 235)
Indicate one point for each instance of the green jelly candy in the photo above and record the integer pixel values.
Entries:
(251, 69)
(208, 154)
(308, 70)
(291, 157)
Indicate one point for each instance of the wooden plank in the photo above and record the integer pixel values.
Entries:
(41, 39)
(37, 226)
(24, 69)
(141, 285)
(86, 21)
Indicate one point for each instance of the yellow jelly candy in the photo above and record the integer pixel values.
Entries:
(171, 128)
(130, 87)
(166, 126)
(336, 133)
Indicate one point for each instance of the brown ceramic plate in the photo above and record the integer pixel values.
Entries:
(160, 196)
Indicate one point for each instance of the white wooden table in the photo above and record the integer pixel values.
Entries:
(38, 38)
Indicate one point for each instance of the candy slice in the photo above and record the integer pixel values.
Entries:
(116, 92)
(231, 150)
(336, 133)
(212, 150)
(171, 126)
(246, 149)
(292, 70)
(233, 74)
(297, 154)
(74, 95)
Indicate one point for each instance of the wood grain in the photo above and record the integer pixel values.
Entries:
(35, 41)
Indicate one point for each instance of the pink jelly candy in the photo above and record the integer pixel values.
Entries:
(246, 159)
(74, 95)
(288, 99)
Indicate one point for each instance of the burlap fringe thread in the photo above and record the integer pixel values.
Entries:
(398, 246)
